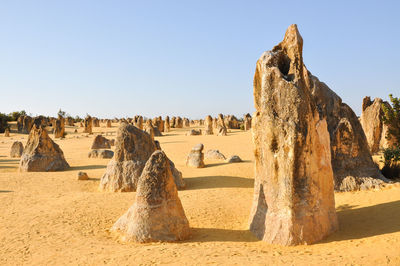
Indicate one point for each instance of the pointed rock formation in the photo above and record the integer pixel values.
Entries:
(59, 127)
(88, 125)
(294, 198)
(17, 148)
(100, 142)
(157, 214)
(166, 124)
(351, 158)
(41, 154)
(7, 132)
(208, 125)
(372, 123)
(133, 147)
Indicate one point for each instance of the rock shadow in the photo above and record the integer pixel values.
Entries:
(221, 235)
(10, 161)
(6, 191)
(86, 167)
(367, 221)
(206, 182)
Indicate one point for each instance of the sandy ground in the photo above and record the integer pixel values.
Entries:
(54, 219)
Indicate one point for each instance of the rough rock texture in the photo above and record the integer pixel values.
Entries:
(17, 148)
(231, 122)
(59, 127)
(139, 122)
(186, 122)
(373, 126)
(101, 153)
(149, 129)
(41, 154)
(172, 122)
(69, 121)
(214, 155)
(96, 122)
(247, 122)
(221, 131)
(108, 123)
(88, 125)
(24, 124)
(157, 214)
(100, 142)
(166, 124)
(7, 132)
(208, 126)
(194, 132)
(349, 147)
(83, 176)
(133, 148)
(294, 198)
(178, 122)
(196, 157)
(234, 159)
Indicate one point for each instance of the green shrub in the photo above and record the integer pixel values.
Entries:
(391, 118)
(15, 115)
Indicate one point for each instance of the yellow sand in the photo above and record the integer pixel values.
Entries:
(54, 219)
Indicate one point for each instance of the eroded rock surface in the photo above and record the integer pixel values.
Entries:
(157, 214)
(294, 197)
(41, 153)
(196, 157)
(17, 148)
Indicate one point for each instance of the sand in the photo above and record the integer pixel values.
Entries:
(54, 219)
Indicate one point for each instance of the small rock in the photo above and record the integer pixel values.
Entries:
(196, 157)
(214, 155)
(83, 176)
(234, 159)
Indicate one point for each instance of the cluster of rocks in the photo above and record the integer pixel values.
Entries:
(196, 157)
(157, 213)
(133, 148)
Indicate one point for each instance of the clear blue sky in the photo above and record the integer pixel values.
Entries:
(189, 58)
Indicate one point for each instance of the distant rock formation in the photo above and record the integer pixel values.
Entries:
(17, 148)
(88, 125)
(294, 197)
(100, 142)
(41, 154)
(372, 123)
(208, 125)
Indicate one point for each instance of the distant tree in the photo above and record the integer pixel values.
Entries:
(391, 118)
(3, 122)
(15, 115)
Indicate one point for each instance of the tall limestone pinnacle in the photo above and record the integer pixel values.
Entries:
(294, 197)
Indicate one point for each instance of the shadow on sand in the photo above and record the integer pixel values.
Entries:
(367, 221)
(221, 235)
(225, 163)
(86, 167)
(6, 191)
(10, 161)
(354, 224)
(205, 182)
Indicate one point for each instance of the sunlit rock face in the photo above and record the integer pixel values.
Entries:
(294, 195)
